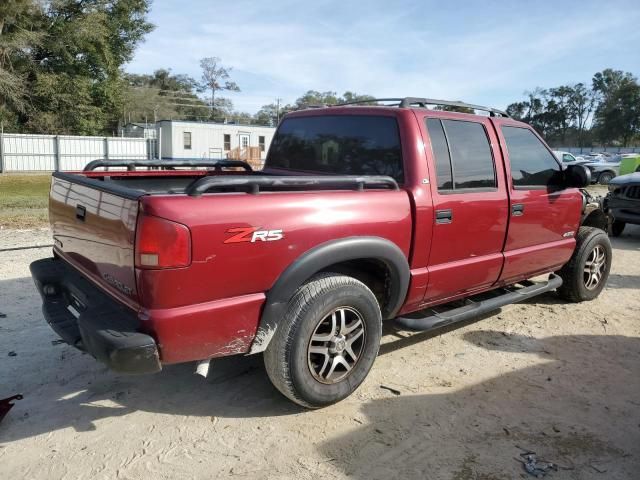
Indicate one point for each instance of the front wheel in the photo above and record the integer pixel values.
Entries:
(327, 341)
(617, 227)
(586, 273)
(605, 178)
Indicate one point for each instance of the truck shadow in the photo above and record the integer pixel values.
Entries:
(64, 388)
(577, 407)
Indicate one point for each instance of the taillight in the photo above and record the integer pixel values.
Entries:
(162, 243)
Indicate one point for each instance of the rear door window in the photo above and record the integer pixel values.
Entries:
(339, 145)
(441, 154)
(532, 165)
(462, 154)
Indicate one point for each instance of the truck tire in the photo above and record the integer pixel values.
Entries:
(586, 273)
(326, 342)
(617, 227)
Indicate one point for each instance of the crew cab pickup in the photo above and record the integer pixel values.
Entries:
(362, 214)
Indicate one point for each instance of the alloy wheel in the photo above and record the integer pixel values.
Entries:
(594, 267)
(336, 345)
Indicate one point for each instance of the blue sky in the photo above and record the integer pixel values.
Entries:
(486, 52)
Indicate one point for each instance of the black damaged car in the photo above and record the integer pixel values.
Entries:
(623, 202)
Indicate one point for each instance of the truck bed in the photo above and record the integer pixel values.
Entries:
(96, 221)
(93, 214)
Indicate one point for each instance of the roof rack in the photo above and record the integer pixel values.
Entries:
(166, 164)
(407, 102)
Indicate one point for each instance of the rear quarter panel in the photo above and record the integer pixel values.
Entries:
(222, 271)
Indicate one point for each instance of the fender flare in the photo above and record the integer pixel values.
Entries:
(322, 256)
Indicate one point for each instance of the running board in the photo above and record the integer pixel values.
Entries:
(473, 309)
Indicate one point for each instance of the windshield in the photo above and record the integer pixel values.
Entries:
(338, 145)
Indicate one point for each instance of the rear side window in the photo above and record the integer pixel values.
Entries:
(462, 154)
(339, 145)
(532, 165)
(441, 154)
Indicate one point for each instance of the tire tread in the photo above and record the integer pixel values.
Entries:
(569, 289)
(277, 355)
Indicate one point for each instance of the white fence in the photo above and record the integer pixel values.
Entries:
(24, 152)
(581, 150)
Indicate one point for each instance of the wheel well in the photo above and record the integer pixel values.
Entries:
(383, 267)
(596, 219)
(370, 271)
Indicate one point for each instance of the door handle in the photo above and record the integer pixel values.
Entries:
(517, 209)
(444, 216)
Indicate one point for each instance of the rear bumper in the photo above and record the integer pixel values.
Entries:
(100, 326)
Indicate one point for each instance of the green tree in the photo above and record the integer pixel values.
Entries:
(271, 113)
(547, 110)
(216, 78)
(348, 97)
(517, 110)
(314, 98)
(267, 115)
(532, 110)
(617, 115)
(17, 39)
(558, 115)
(580, 107)
(66, 69)
(162, 95)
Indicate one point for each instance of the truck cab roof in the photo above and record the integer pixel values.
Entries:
(395, 106)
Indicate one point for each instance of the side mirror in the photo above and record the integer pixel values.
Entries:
(577, 176)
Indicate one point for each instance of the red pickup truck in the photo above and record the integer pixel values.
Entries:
(362, 214)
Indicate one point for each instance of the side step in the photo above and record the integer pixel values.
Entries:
(418, 321)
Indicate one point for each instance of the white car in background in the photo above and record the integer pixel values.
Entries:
(567, 157)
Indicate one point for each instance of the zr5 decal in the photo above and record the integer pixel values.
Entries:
(253, 234)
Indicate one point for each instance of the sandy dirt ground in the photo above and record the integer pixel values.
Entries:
(561, 380)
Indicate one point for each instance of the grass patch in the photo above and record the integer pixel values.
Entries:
(24, 201)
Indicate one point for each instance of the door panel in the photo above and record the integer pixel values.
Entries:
(544, 231)
(541, 234)
(466, 247)
(536, 259)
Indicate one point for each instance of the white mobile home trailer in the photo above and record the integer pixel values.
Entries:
(186, 139)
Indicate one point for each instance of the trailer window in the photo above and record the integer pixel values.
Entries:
(227, 141)
(186, 137)
(339, 145)
(261, 143)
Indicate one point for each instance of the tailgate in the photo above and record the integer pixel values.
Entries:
(94, 227)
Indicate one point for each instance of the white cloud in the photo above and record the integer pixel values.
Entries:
(382, 54)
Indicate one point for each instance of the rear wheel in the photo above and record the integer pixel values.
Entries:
(586, 273)
(617, 227)
(327, 341)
